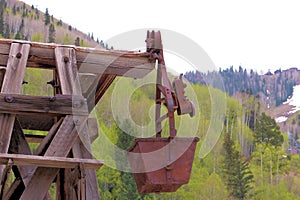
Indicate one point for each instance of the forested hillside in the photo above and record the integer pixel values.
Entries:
(250, 159)
(21, 21)
(272, 88)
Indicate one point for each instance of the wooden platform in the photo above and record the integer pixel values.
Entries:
(80, 78)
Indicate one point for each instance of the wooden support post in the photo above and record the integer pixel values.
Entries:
(66, 66)
(12, 84)
(60, 147)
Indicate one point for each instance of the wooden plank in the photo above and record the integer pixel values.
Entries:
(67, 71)
(67, 88)
(93, 129)
(60, 147)
(97, 90)
(64, 189)
(12, 84)
(15, 190)
(30, 138)
(18, 145)
(57, 105)
(48, 139)
(90, 185)
(43, 56)
(48, 161)
(34, 122)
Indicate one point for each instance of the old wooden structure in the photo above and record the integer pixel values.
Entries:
(80, 78)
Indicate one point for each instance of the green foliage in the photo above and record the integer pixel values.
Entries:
(38, 37)
(67, 39)
(47, 17)
(51, 36)
(237, 172)
(267, 131)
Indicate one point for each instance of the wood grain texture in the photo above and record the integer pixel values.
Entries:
(53, 106)
(48, 161)
(12, 84)
(90, 60)
(71, 86)
(59, 147)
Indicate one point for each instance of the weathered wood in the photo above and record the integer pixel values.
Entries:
(93, 129)
(48, 139)
(18, 145)
(67, 71)
(48, 161)
(59, 147)
(15, 190)
(2, 72)
(57, 105)
(67, 133)
(80, 150)
(64, 187)
(99, 60)
(31, 138)
(12, 84)
(34, 122)
(71, 86)
(97, 90)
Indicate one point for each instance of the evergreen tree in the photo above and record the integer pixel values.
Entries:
(1, 18)
(59, 23)
(47, 17)
(77, 41)
(267, 131)
(236, 170)
(14, 10)
(51, 37)
(6, 33)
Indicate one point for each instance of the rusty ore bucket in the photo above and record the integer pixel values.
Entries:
(161, 164)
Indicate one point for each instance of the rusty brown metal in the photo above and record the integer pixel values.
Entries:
(163, 164)
(172, 157)
(185, 106)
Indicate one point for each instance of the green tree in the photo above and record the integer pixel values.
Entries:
(237, 172)
(51, 36)
(47, 17)
(77, 41)
(37, 37)
(267, 131)
(1, 17)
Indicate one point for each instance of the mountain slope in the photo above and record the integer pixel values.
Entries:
(21, 21)
(272, 88)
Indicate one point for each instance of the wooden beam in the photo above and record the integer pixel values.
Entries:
(99, 61)
(48, 139)
(34, 122)
(57, 105)
(12, 84)
(19, 145)
(48, 161)
(93, 129)
(71, 86)
(60, 146)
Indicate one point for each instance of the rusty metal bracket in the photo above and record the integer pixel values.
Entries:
(173, 99)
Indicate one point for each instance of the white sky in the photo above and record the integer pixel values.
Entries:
(257, 34)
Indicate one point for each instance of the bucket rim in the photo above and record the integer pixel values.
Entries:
(137, 140)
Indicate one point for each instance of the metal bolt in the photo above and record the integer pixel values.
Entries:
(77, 122)
(77, 104)
(52, 99)
(19, 55)
(8, 99)
(66, 59)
